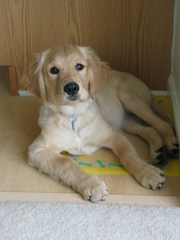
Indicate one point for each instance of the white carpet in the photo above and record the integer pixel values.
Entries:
(87, 221)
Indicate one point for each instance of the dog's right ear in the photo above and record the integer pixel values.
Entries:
(34, 78)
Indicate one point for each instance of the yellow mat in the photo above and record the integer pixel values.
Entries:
(104, 161)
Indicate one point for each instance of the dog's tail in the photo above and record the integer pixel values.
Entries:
(157, 108)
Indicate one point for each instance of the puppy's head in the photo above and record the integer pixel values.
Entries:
(66, 74)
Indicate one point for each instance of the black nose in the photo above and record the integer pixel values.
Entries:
(71, 88)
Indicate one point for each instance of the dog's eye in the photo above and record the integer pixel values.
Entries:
(54, 70)
(79, 67)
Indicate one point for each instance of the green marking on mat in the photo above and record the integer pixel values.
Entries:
(100, 163)
(160, 101)
(162, 166)
(116, 165)
(75, 159)
(85, 164)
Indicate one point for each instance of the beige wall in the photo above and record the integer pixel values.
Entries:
(132, 35)
(176, 50)
(174, 79)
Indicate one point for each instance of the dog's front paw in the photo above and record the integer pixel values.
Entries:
(93, 189)
(151, 177)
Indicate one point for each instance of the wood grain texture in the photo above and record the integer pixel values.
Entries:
(133, 36)
(13, 80)
(4, 51)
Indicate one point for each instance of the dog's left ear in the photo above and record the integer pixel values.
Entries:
(97, 71)
(34, 80)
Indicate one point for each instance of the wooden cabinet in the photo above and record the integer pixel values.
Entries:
(132, 35)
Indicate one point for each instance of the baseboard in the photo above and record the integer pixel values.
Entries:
(135, 200)
(172, 93)
(159, 93)
(24, 93)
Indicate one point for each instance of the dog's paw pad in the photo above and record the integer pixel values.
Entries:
(156, 183)
(161, 185)
(173, 151)
(98, 194)
(160, 157)
(152, 178)
(160, 150)
(94, 190)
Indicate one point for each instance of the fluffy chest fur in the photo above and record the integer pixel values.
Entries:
(73, 128)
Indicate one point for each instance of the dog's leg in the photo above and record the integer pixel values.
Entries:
(151, 136)
(159, 111)
(146, 174)
(65, 169)
(143, 111)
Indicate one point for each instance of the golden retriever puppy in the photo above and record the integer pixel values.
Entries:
(86, 106)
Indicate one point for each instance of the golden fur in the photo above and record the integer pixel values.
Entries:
(79, 115)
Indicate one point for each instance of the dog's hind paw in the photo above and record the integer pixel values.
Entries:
(173, 151)
(93, 189)
(159, 157)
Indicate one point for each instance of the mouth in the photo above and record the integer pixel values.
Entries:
(73, 98)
